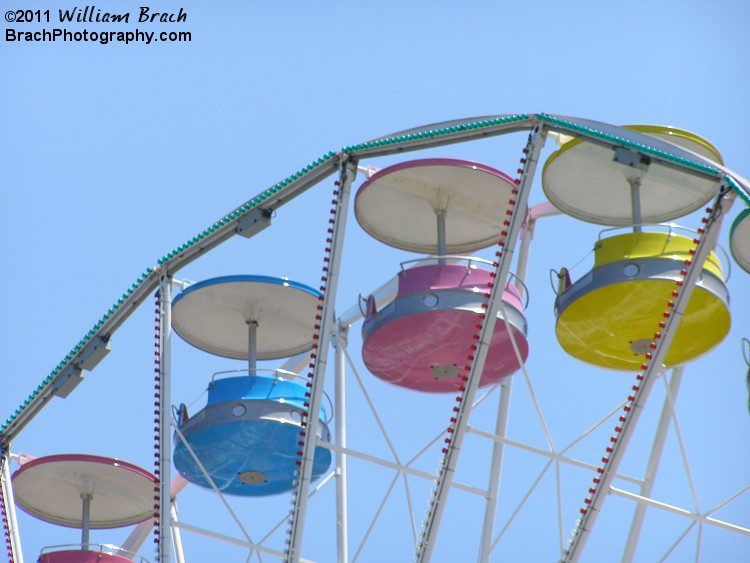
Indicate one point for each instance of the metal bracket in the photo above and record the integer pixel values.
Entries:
(632, 159)
(254, 223)
(69, 378)
(93, 353)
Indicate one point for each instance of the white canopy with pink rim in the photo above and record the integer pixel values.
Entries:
(86, 492)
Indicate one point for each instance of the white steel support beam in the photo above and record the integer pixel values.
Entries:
(179, 556)
(527, 234)
(620, 441)
(653, 463)
(327, 325)
(405, 469)
(445, 133)
(342, 519)
(557, 457)
(436, 509)
(10, 507)
(503, 410)
(233, 541)
(680, 511)
(496, 465)
(164, 553)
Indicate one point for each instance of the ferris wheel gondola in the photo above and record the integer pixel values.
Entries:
(244, 441)
(441, 207)
(606, 317)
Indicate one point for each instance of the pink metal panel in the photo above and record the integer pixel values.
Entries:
(78, 556)
(441, 276)
(405, 351)
(512, 297)
(435, 277)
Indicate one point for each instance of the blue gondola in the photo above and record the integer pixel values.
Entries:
(247, 437)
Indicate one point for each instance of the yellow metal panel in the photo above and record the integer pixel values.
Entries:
(603, 326)
(630, 246)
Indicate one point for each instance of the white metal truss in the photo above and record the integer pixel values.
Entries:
(255, 216)
(327, 323)
(641, 390)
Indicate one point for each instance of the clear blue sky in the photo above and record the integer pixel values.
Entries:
(113, 155)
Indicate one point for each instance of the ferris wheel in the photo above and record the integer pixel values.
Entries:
(354, 430)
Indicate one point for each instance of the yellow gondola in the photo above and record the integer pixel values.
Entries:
(610, 317)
